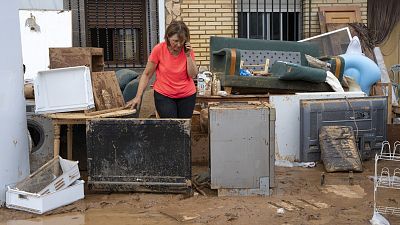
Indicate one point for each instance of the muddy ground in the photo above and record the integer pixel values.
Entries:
(299, 193)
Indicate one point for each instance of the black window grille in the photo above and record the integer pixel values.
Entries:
(269, 19)
(117, 26)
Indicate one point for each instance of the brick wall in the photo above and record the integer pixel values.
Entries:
(204, 18)
(207, 18)
(314, 23)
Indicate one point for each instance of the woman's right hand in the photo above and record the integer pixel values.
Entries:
(132, 104)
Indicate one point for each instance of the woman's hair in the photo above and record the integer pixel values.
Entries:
(177, 27)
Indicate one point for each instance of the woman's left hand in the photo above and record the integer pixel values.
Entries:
(188, 48)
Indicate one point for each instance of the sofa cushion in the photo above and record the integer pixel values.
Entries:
(291, 71)
(258, 57)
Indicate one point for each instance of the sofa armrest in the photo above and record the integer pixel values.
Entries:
(226, 61)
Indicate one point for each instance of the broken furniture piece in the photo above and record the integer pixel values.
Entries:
(107, 93)
(70, 119)
(387, 178)
(77, 56)
(227, 54)
(144, 155)
(242, 137)
(53, 185)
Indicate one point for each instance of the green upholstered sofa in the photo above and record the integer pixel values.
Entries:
(227, 54)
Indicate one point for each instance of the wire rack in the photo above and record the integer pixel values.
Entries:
(387, 177)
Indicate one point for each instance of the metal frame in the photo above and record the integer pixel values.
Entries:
(328, 33)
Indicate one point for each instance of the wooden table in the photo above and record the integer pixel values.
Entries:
(70, 119)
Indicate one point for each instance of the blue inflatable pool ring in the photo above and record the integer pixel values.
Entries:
(362, 69)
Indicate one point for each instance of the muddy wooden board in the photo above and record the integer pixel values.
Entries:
(69, 57)
(106, 91)
(83, 117)
(339, 150)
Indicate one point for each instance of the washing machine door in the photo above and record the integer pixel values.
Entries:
(42, 135)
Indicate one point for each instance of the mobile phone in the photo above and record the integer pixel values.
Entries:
(184, 46)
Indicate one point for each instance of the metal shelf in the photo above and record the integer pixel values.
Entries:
(389, 181)
(387, 210)
(388, 178)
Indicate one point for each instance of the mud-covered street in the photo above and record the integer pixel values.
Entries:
(299, 193)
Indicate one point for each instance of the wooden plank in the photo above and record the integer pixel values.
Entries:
(94, 113)
(378, 90)
(81, 117)
(119, 113)
(106, 91)
(263, 85)
(393, 133)
(322, 22)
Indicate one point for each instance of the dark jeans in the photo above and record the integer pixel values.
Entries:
(174, 107)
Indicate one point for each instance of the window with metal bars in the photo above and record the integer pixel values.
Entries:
(126, 41)
(119, 27)
(269, 19)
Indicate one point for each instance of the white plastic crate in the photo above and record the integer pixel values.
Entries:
(53, 176)
(39, 204)
(63, 90)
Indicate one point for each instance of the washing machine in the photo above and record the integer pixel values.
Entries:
(42, 137)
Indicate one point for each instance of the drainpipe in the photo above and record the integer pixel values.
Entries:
(161, 19)
(14, 153)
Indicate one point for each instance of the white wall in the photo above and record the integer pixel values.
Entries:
(55, 31)
(14, 153)
(42, 4)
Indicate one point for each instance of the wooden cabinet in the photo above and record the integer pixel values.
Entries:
(76, 56)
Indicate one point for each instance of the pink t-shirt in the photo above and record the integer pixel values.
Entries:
(172, 79)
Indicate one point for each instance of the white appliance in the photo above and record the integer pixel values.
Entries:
(42, 135)
(242, 149)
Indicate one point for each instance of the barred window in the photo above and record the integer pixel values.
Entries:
(268, 19)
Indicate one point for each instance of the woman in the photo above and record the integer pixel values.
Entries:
(175, 66)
